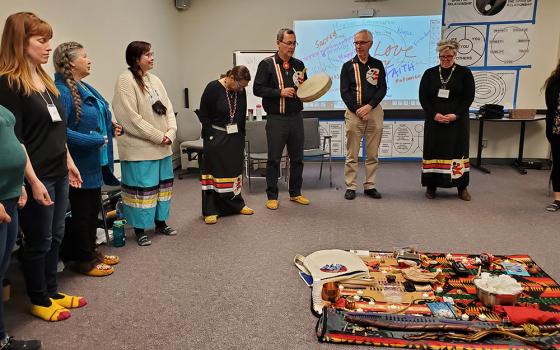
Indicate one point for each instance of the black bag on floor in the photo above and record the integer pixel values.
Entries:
(491, 111)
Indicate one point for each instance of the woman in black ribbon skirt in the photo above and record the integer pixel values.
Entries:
(446, 93)
(222, 113)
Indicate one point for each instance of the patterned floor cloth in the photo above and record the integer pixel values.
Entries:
(387, 297)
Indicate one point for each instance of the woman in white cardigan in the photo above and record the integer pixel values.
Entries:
(142, 107)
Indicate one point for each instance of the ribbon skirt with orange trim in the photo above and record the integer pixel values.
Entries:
(221, 174)
(445, 172)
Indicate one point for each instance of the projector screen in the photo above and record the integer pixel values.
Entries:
(405, 45)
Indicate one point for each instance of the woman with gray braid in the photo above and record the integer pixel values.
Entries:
(89, 131)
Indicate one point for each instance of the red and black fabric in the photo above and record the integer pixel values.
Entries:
(221, 174)
(519, 315)
(222, 167)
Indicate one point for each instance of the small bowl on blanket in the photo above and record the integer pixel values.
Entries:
(497, 290)
(490, 299)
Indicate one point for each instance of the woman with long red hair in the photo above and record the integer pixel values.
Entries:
(30, 94)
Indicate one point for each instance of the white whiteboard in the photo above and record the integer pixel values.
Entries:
(251, 60)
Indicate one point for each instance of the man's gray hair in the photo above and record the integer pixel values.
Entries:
(281, 32)
(366, 32)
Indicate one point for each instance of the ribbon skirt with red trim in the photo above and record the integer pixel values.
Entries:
(445, 173)
(221, 174)
(445, 162)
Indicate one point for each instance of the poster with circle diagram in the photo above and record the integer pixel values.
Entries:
(509, 44)
(472, 43)
(337, 132)
(494, 86)
(402, 139)
(488, 11)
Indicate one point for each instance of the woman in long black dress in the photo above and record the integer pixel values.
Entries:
(552, 94)
(222, 113)
(446, 92)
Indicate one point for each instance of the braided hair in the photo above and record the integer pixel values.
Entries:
(63, 55)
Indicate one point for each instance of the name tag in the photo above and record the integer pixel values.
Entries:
(153, 99)
(54, 113)
(231, 129)
(443, 93)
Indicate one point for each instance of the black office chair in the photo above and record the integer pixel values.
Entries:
(312, 145)
(256, 150)
(188, 134)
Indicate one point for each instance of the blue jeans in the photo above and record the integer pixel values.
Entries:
(8, 234)
(43, 230)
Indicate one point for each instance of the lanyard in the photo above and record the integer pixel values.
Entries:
(53, 111)
(232, 106)
(444, 82)
(153, 90)
(50, 98)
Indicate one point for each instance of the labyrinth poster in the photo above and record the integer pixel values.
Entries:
(494, 86)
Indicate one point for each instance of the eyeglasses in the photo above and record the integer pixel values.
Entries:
(290, 43)
(238, 85)
(446, 57)
(361, 43)
(149, 54)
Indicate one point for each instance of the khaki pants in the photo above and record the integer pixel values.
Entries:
(355, 129)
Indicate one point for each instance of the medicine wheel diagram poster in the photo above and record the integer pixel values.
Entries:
(471, 40)
(496, 87)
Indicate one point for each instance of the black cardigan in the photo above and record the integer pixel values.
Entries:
(551, 95)
(214, 108)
